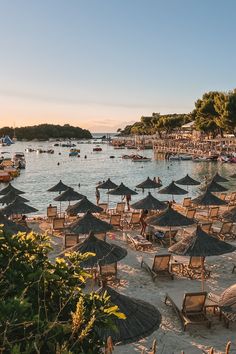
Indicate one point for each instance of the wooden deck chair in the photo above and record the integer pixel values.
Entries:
(191, 213)
(139, 242)
(213, 213)
(187, 202)
(71, 240)
(115, 221)
(192, 269)
(120, 208)
(58, 224)
(223, 196)
(108, 272)
(206, 227)
(225, 232)
(134, 220)
(167, 236)
(101, 236)
(51, 212)
(104, 206)
(190, 308)
(232, 198)
(160, 267)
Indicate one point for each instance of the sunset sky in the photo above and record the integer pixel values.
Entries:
(102, 64)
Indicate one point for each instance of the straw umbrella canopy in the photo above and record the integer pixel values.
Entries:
(227, 300)
(11, 196)
(218, 178)
(215, 187)
(10, 188)
(104, 252)
(173, 190)
(10, 227)
(208, 198)
(108, 184)
(18, 207)
(149, 184)
(230, 215)
(149, 203)
(83, 206)
(187, 181)
(201, 244)
(89, 223)
(69, 195)
(122, 190)
(170, 218)
(59, 187)
(142, 318)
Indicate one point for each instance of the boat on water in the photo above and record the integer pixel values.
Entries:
(6, 141)
(180, 157)
(5, 177)
(97, 148)
(74, 152)
(139, 158)
(19, 160)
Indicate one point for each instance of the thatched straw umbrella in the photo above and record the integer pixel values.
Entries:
(83, 206)
(10, 188)
(230, 215)
(59, 187)
(68, 195)
(11, 227)
(170, 218)
(149, 203)
(149, 184)
(104, 252)
(215, 187)
(108, 184)
(227, 300)
(172, 189)
(17, 207)
(142, 318)
(89, 223)
(122, 190)
(187, 181)
(218, 178)
(11, 196)
(201, 244)
(208, 199)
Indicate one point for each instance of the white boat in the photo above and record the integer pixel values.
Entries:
(19, 160)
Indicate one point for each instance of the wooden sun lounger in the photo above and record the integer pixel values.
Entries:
(189, 308)
(225, 232)
(168, 237)
(190, 267)
(108, 272)
(212, 301)
(71, 240)
(161, 266)
(139, 242)
(134, 220)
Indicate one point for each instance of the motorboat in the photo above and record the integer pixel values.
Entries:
(97, 148)
(139, 158)
(19, 160)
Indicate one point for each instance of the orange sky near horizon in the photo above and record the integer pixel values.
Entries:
(17, 111)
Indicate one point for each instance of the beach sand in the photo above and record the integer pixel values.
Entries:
(136, 282)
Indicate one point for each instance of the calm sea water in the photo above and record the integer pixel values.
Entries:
(42, 171)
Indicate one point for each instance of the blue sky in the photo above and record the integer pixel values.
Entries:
(101, 64)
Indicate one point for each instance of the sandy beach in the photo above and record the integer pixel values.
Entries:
(136, 282)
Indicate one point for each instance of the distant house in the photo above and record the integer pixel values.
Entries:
(188, 126)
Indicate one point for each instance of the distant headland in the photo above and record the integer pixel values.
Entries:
(46, 131)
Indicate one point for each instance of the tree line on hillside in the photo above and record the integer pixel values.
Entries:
(46, 131)
(214, 114)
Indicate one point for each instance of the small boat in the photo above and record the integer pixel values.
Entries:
(19, 160)
(119, 147)
(97, 148)
(141, 159)
(174, 158)
(5, 177)
(74, 152)
(185, 157)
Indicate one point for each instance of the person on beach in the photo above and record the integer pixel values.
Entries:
(142, 219)
(97, 195)
(128, 199)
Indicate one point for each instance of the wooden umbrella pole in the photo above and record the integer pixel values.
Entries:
(60, 209)
(203, 274)
(170, 236)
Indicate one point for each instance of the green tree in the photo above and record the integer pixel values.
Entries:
(43, 306)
